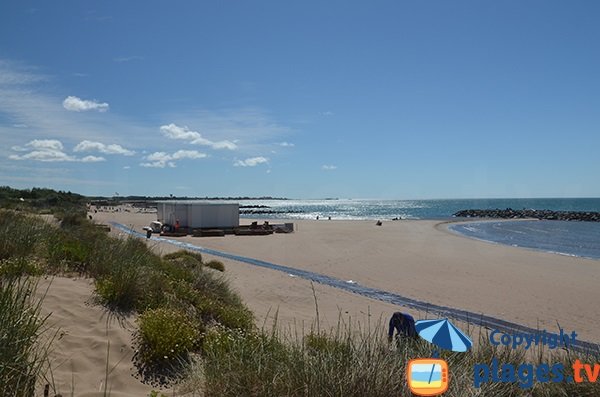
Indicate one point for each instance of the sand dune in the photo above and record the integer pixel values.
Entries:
(81, 349)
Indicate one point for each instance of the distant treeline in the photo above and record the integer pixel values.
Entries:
(41, 199)
(49, 199)
(116, 199)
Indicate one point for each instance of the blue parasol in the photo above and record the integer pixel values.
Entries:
(442, 333)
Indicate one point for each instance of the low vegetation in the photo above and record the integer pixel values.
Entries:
(176, 296)
(41, 200)
(217, 265)
(346, 362)
(192, 324)
(166, 336)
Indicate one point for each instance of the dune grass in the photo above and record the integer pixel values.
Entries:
(23, 352)
(217, 265)
(20, 234)
(354, 360)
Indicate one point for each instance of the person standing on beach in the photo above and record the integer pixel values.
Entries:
(404, 324)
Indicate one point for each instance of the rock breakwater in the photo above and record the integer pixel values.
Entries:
(509, 213)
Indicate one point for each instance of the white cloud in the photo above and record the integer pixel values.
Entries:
(188, 154)
(173, 131)
(46, 144)
(222, 145)
(286, 144)
(48, 150)
(89, 146)
(41, 144)
(162, 159)
(251, 162)
(327, 113)
(76, 104)
(252, 130)
(127, 167)
(43, 155)
(158, 156)
(329, 167)
(92, 159)
(155, 164)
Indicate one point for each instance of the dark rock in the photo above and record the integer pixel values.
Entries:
(509, 213)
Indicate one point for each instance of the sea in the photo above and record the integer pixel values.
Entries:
(561, 237)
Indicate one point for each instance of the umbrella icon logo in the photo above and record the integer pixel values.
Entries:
(443, 334)
(430, 376)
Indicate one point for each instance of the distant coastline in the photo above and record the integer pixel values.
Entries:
(372, 209)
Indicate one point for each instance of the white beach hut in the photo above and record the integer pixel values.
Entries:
(199, 215)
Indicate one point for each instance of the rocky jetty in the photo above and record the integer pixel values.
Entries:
(509, 213)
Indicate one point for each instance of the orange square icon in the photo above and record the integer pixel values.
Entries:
(427, 376)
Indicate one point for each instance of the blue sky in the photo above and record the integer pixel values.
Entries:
(378, 99)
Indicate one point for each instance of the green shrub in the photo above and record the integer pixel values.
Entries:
(72, 218)
(215, 287)
(128, 275)
(41, 200)
(213, 299)
(20, 235)
(185, 292)
(66, 253)
(121, 290)
(234, 317)
(237, 363)
(320, 343)
(19, 266)
(166, 335)
(178, 270)
(217, 265)
(184, 254)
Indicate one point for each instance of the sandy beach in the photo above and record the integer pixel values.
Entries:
(416, 259)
